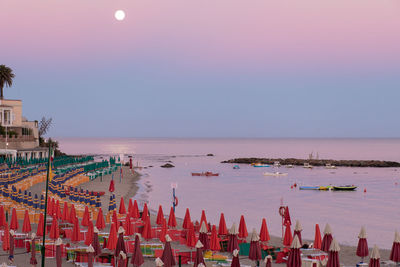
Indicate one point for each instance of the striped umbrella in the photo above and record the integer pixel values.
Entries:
(30, 200)
(98, 201)
(36, 202)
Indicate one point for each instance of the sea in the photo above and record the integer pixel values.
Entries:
(246, 191)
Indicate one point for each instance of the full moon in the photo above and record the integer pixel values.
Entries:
(119, 15)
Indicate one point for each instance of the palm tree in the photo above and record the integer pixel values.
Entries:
(6, 78)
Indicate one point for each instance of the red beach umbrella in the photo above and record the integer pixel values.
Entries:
(233, 239)
(39, 231)
(264, 234)
(147, 229)
(2, 217)
(186, 220)
(287, 239)
(115, 218)
(86, 217)
(65, 214)
(327, 240)
(90, 251)
(222, 230)
(191, 237)
(112, 238)
(111, 188)
(89, 234)
(164, 230)
(137, 256)
(294, 259)
(100, 223)
(255, 248)
(58, 244)
(199, 254)
(14, 225)
(317, 238)
(54, 233)
(96, 243)
(50, 205)
(395, 253)
(72, 214)
(130, 206)
(128, 226)
(375, 257)
(235, 260)
(203, 237)
(135, 211)
(26, 226)
(167, 256)
(362, 247)
(171, 219)
(33, 260)
(286, 217)
(214, 240)
(333, 255)
(122, 259)
(268, 261)
(297, 231)
(57, 210)
(120, 242)
(6, 238)
(145, 212)
(160, 216)
(76, 232)
(122, 209)
(204, 219)
(242, 228)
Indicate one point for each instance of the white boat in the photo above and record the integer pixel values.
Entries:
(307, 166)
(277, 164)
(330, 166)
(275, 173)
(289, 166)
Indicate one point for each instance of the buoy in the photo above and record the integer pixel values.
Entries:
(365, 190)
(295, 185)
(291, 187)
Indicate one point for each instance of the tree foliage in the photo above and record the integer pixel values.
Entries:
(44, 125)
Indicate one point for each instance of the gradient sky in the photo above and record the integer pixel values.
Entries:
(209, 68)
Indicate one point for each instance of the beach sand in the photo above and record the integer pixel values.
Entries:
(128, 188)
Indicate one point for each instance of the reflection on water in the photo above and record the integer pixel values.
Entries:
(246, 191)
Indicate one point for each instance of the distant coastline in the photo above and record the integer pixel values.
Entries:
(316, 162)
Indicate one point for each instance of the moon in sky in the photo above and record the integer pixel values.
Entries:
(119, 15)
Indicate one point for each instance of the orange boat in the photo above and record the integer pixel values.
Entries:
(204, 174)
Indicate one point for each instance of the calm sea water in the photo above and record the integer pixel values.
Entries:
(247, 191)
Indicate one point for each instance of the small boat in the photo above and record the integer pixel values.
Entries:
(289, 166)
(277, 164)
(325, 188)
(345, 188)
(275, 173)
(236, 167)
(260, 165)
(307, 166)
(330, 166)
(309, 187)
(204, 174)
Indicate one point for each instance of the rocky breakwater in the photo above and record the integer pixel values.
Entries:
(316, 162)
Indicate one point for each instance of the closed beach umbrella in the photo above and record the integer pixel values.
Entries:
(327, 240)
(39, 231)
(232, 239)
(159, 262)
(130, 206)
(199, 254)
(76, 232)
(65, 214)
(58, 244)
(100, 223)
(72, 214)
(203, 237)
(255, 248)
(294, 259)
(33, 260)
(264, 234)
(204, 219)
(288, 238)
(86, 217)
(135, 211)
(222, 230)
(395, 253)
(317, 238)
(26, 226)
(96, 243)
(191, 236)
(120, 242)
(160, 216)
(128, 226)
(167, 256)
(242, 228)
(2, 217)
(375, 257)
(137, 256)
(54, 233)
(112, 238)
(214, 240)
(235, 259)
(145, 212)
(57, 210)
(122, 259)
(14, 225)
(147, 229)
(297, 231)
(362, 247)
(111, 188)
(89, 234)
(171, 219)
(333, 255)
(286, 217)
(164, 230)
(186, 220)
(268, 261)
(90, 252)
(6, 238)
(122, 209)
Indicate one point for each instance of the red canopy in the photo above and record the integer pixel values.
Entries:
(232, 239)
(164, 230)
(134, 213)
(145, 212)
(186, 220)
(395, 252)
(242, 228)
(96, 243)
(26, 226)
(317, 238)
(204, 219)
(222, 225)
(375, 258)
(65, 214)
(111, 188)
(130, 206)
(89, 234)
(50, 206)
(255, 248)
(214, 240)
(286, 217)
(264, 234)
(171, 219)
(167, 256)
(199, 255)
(100, 223)
(14, 225)
(122, 209)
(160, 216)
(294, 259)
(2, 217)
(333, 255)
(287, 240)
(54, 231)
(191, 236)
(72, 214)
(39, 231)
(120, 242)
(128, 226)
(86, 217)
(57, 210)
(115, 218)
(76, 232)
(137, 256)
(203, 236)
(326, 242)
(112, 238)
(147, 229)
(6, 238)
(235, 259)
(362, 247)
